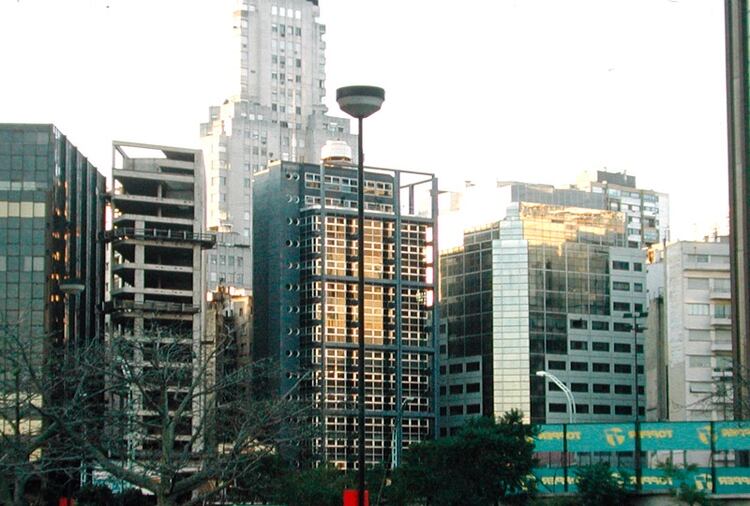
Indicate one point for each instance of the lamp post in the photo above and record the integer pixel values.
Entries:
(568, 394)
(637, 448)
(396, 439)
(360, 102)
(571, 418)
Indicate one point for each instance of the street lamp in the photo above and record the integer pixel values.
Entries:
(568, 394)
(637, 447)
(361, 102)
(395, 439)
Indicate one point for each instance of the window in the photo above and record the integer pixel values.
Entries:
(621, 306)
(472, 388)
(601, 409)
(442, 390)
(621, 286)
(700, 259)
(620, 266)
(637, 266)
(623, 410)
(456, 389)
(578, 345)
(556, 365)
(579, 366)
(472, 366)
(697, 309)
(622, 348)
(579, 387)
(722, 310)
(601, 388)
(622, 327)
(578, 324)
(623, 389)
(582, 408)
(722, 285)
(456, 368)
(599, 346)
(456, 410)
(637, 287)
(697, 283)
(557, 408)
(623, 368)
(472, 409)
(600, 367)
(596, 325)
(720, 259)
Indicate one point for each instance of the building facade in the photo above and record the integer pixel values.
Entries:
(156, 262)
(275, 112)
(305, 232)
(646, 211)
(51, 273)
(689, 346)
(545, 289)
(51, 214)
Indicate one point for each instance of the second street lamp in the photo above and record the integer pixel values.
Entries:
(360, 102)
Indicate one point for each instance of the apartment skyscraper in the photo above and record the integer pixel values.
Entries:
(305, 231)
(545, 289)
(688, 335)
(275, 112)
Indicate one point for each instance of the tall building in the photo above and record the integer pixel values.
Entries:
(738, 107)
(51, 212)
(51, 263)
(274, 112)
(156, 263)
(305, 232)
(646, 211)
(688, 336)
(545, 289)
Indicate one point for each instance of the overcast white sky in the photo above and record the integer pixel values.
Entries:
(531, 90)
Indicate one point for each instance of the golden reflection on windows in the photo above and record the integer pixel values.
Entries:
(555, 225)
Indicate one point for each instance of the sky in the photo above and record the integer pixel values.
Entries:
(528, 90)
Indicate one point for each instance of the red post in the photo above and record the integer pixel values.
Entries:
(351, 497)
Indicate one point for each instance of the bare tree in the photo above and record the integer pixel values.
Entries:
(176, 424)
(32, 448)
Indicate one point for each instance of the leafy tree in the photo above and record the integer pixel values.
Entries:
(322, 486)
(487, 461)
(598, 485)
(685, 491)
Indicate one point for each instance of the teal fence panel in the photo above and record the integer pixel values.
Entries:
(732, 435)
(549, 438)
(732, 480)
(675, 436)
(598, 437)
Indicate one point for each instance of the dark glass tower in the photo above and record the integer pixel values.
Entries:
(305, 275)
(51, 215)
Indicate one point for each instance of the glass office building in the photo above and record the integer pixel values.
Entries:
(305, 272)
(545, 289)
(51, 217)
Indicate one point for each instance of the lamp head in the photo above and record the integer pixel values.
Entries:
(72, 286)
(360, 101)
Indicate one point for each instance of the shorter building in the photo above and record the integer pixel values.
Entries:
(689, 343)
(548, 289)
(646, 211)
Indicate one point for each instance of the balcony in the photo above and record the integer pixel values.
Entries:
(721, 321)
(126, 233)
